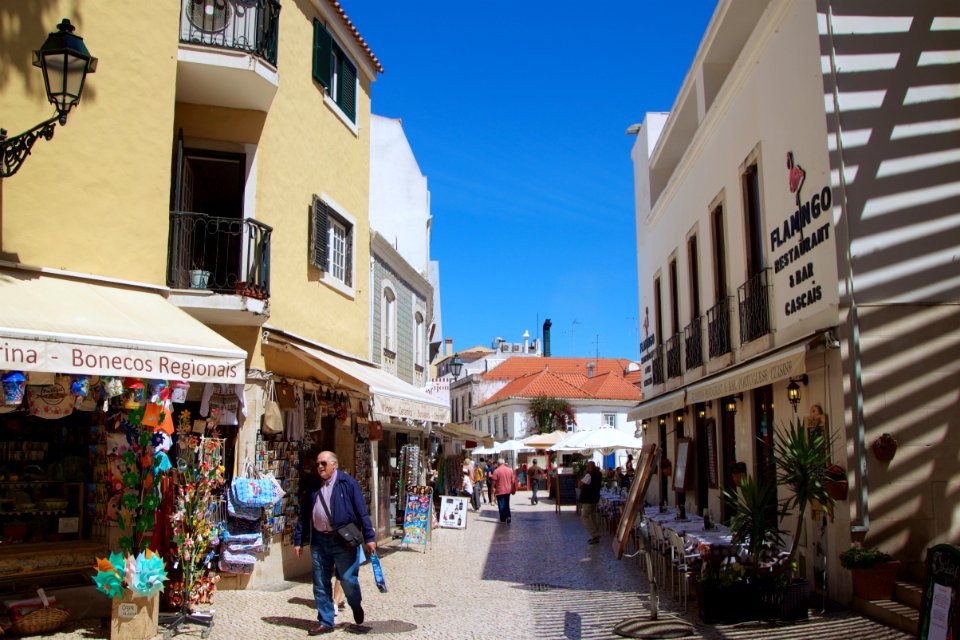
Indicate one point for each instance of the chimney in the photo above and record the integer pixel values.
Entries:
(526, 341)
(546, 337)
(590, 366)
(449, 342)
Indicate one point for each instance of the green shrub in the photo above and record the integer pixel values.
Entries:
(860, 557)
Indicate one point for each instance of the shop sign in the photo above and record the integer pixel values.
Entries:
(779, 368)
(413, 409)
(63, 357)
(800, 262)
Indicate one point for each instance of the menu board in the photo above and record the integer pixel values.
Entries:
(939, 616)
(710, 431)
(638, 488)
(565, 489)
(683, 461)
(453, 512)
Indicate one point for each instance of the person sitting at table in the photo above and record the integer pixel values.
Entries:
(627, 473)
(590, 483)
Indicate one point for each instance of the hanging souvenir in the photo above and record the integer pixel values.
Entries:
(80, 386)
(178, 389)
(113, 387)
(132, 394)
(155, 388)
(51, 401)
(14, 386)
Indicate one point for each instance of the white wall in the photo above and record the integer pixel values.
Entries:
(399, 198)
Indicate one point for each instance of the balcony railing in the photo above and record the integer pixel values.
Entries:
(672, 347)
(754, 301)
(718, 328)
(693, 343)
(226, 255)
(657, 364)
(238, 25)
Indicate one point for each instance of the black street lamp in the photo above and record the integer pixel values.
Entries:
(65, 63)
(456, 366)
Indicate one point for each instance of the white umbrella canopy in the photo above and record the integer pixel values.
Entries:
(510, 445)
(482, 451)
(545, 440)
(605, 440)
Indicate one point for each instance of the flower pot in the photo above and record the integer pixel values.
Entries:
(199, 278)
(737, 478)
(134, 618)
(837, 489)
(875, 583)
(885, 447)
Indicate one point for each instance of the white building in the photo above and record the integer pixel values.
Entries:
(797, 225)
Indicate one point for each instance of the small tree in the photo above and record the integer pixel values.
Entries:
(802, 457)
(551, 414)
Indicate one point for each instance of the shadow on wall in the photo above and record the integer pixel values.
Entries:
(898, 156)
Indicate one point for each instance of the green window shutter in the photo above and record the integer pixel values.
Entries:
(348, 259)
(348, 88)
(322, 54)
(318, 237)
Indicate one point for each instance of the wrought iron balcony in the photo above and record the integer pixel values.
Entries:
(753, 297)
(672, 347)
(225, 255)
(250, 26)
(693, 343)
(718, 328)
(657, 364)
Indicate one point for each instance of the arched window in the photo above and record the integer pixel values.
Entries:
(388, 310)
(418, 339)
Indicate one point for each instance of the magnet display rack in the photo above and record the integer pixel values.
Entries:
(282, 459)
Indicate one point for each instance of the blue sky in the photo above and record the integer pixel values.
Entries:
(517, 113)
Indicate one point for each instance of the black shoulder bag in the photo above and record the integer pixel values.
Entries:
(349, 534)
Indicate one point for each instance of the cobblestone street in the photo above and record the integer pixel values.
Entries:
(534, 578)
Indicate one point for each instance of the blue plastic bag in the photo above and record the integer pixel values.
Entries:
(378, 573)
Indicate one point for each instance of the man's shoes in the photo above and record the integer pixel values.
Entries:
(341, 606)
(508, 520)
(358, 615)
(593, 540)
(319, 629)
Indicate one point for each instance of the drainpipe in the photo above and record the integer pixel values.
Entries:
(861, 521)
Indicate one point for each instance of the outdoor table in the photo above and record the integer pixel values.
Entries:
(610, 508)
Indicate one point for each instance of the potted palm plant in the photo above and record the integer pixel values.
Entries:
(874, 572)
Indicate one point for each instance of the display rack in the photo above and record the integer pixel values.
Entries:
(408, 474)
(282, 459)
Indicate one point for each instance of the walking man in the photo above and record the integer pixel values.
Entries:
(504, 486)
(478, 482)
(336, 503)
(534, 473)
(488, 470)
(589, 498)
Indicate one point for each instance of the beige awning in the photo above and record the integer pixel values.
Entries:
(783, 364)
(546, 440)
(665, 403)
(465, 432)
(67, 325)
(392, 396)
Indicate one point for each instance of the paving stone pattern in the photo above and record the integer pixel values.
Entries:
(533, 578)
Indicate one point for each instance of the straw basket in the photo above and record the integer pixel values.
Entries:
(41, 621)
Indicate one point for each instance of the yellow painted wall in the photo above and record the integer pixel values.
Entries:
(96, 198)
(93, 199)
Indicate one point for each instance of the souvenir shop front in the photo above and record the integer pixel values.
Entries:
(382, 436)
(71, 382)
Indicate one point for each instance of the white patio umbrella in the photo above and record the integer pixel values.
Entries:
(482, 451)
(605, 440)
(511, 445)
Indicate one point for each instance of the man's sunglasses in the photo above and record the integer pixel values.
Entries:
(323, 463)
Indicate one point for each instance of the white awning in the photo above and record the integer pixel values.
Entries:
(64, 325)
(783, 364)
(656, 406)
(391, 395)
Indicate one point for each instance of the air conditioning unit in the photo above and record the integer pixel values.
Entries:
(504, 346)
(209, 16)
(517, 346)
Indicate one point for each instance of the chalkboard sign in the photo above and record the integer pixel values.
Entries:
(631, 507)
(565, 489)
(710, 430)
(939, 617)
(683, 463)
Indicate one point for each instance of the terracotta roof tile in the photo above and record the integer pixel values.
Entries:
(356, 34)
(516, 367)
(570, 382)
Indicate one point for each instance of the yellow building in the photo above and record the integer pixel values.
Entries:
(218, 163)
